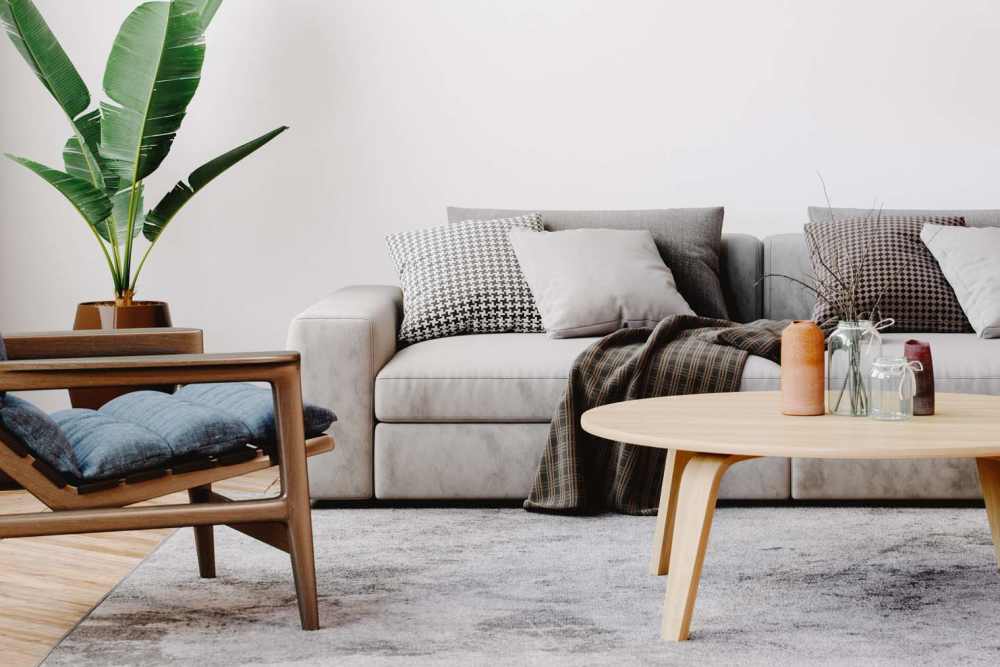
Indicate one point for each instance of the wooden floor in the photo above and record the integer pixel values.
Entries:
(47, 584)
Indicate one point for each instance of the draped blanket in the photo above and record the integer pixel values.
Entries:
(683, 354)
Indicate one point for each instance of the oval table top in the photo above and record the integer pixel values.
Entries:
(751, 424)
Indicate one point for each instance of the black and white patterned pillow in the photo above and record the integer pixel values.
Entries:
(892, 257)
(463, 278)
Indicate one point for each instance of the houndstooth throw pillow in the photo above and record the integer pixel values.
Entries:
(463, 278)
(892, 257)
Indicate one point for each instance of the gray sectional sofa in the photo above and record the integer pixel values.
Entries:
(467, 417)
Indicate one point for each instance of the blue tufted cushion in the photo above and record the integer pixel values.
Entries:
(36, 430)
(108, 447)
(188, 428)
(254, 407)
(148, 429)
(39, 433)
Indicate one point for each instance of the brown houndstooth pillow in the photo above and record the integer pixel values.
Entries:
(917, 296)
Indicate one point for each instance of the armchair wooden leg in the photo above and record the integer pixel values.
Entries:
(300, 540)
(295, 489)
(204, 536)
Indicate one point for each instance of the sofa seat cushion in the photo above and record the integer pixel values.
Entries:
(963, 364)
(495, 378)
(522, 377)
(477, 378)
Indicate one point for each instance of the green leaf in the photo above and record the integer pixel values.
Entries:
(89, 127)
(92, 204)
(119, 215)
(206, 9)
(42, 51)
(173, 201)
(152, 74)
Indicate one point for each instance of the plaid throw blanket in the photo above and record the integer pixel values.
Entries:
(581, 473)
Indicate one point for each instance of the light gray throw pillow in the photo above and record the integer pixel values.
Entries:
(589, 282)
(970, 261)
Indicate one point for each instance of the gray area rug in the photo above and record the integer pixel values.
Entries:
(781, 586)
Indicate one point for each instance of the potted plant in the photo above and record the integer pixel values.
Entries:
(152, 73)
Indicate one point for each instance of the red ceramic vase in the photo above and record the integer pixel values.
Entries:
(923, 400)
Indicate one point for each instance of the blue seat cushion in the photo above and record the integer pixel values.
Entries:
(150, 429)
(106, 447)
(254, 407)
(188, 428)
(40, 434)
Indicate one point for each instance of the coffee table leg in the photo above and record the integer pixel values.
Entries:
(989, 482)
(692, 521)
(674, 466)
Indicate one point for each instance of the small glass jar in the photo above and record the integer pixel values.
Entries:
(851, 350)
(892, 388)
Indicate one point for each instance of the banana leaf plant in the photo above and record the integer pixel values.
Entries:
(152, 73)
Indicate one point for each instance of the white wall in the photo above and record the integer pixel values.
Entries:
(399, 108)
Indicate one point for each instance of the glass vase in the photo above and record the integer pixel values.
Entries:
(851, 351)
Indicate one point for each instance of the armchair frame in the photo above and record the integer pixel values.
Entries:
(62, 360)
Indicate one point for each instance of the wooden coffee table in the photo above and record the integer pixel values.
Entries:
(707, 433)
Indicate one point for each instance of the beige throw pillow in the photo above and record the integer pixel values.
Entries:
(590, 282)
(970, 261)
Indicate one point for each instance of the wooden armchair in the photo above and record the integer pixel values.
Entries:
(139, 357)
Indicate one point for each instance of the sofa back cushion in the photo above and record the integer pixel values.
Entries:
(689, 241)
(742, 265)
(787, 254)
(973, 218)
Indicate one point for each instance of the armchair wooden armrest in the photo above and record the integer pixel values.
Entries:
(103, 343)
(31, 374)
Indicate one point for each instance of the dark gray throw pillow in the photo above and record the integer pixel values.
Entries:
(895, 264)
(689, 241)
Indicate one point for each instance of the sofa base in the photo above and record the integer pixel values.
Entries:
(922, 479)
(498, 461)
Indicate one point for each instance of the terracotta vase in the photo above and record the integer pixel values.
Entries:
(116, 315)
(802, 363)
(923, 399)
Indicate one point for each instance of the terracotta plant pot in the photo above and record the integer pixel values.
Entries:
(802, 365)
(116, 315)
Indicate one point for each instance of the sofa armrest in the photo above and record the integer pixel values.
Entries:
(345, 340)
